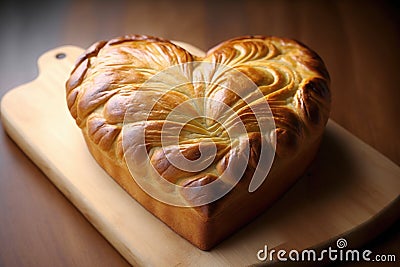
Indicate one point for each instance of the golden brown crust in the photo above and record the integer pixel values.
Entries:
(290, 76)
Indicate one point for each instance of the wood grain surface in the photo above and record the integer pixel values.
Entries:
(358, 40)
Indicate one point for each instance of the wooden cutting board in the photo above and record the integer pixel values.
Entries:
(351, 191)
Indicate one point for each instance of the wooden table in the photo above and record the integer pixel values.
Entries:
(359, 42)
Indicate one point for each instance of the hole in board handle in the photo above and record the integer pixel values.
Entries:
(60, 55)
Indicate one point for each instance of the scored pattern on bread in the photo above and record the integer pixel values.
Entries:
(109, 88)
(292, 78)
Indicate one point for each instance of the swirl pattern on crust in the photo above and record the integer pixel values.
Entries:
(292, 78)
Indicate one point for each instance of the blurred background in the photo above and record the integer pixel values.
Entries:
(358, 40)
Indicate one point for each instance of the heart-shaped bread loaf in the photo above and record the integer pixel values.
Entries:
(205, 142)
